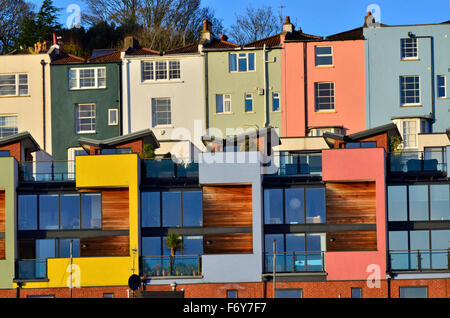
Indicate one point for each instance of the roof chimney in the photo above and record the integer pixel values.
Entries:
(55, 42)
(207, 30)
(288, 27)
(130, 42)
(369, 19)
(223, 37)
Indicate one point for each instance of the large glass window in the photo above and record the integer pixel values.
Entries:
(171, 208)
(64, 248)
(192, 208)
(28, 212)
(192, 245)
(420, 242)
(294, 199)
(49, 212)
(294, 205)
(273, 206)
(440, 243)
(91, 211)
(397, 203)
(439, 202)
(151, 246)
(70, 211)
(418, 202)
(150, 209)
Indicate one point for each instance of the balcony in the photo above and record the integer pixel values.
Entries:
(31, 269)
(296, 164)
(182, 265)
(47, 171)
(431, 162)
(419, 260)
(167, 168)
(295, 262)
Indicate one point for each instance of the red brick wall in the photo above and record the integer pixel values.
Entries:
(14, 150)
(86, 292)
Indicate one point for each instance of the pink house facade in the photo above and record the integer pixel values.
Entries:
(323, 85)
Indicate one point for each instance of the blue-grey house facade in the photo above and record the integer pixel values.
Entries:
(407, 70)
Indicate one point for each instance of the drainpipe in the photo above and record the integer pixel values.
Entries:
(413, 36)
(43, 105)
(265, 87)
(305, 85)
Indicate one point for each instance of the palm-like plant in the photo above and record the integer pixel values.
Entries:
(174, 242)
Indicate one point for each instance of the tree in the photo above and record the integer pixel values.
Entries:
(174, 242)
(12, 15)
(255, 24)
(40, 26)
(157, 24)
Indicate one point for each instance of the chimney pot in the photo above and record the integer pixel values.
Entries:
(223, 37)
(288, 26)
(207, 30)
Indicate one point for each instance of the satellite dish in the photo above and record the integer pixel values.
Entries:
(134, 282)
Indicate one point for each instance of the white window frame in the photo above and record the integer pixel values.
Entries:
(419, 103)
(169, 71)
(404, 49)
(242, 58)
(110, 111)
(323, 55)
(332, 97)
(443, 86)
(249, 96)
(77, 78)
(316, 132)
(78, 118)
(17, 84)
(14, 125)
(226, 98)
(155, 111)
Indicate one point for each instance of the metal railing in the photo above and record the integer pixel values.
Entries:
(31, 269)
(297, 164)
(418, 161)
(166, 265)
(295, 262)
(167, 168)
(45, 171)
(418, 260)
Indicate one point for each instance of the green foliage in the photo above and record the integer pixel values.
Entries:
(395, 145)
(174, 242)
(148, 152)
(39, 27)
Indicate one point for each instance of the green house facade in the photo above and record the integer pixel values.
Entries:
(86, 101)
(244, 87)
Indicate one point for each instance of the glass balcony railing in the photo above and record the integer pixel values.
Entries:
(167, 168)
(30, 269)
(418, 260)
(295, 262)
(179, 265)
(418, 161)
(45, 171)
(296, 164)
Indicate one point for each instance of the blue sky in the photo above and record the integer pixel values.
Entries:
(320, 17)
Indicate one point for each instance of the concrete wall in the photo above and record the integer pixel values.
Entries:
(384, 67)
(187, 98)
(29, 109)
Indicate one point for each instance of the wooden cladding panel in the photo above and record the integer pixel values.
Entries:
(227, 206)
(2, 211)
(351, 203)
(105, 246)
(2, 249)
(232, 243)
(115, 208)
(341, 241)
